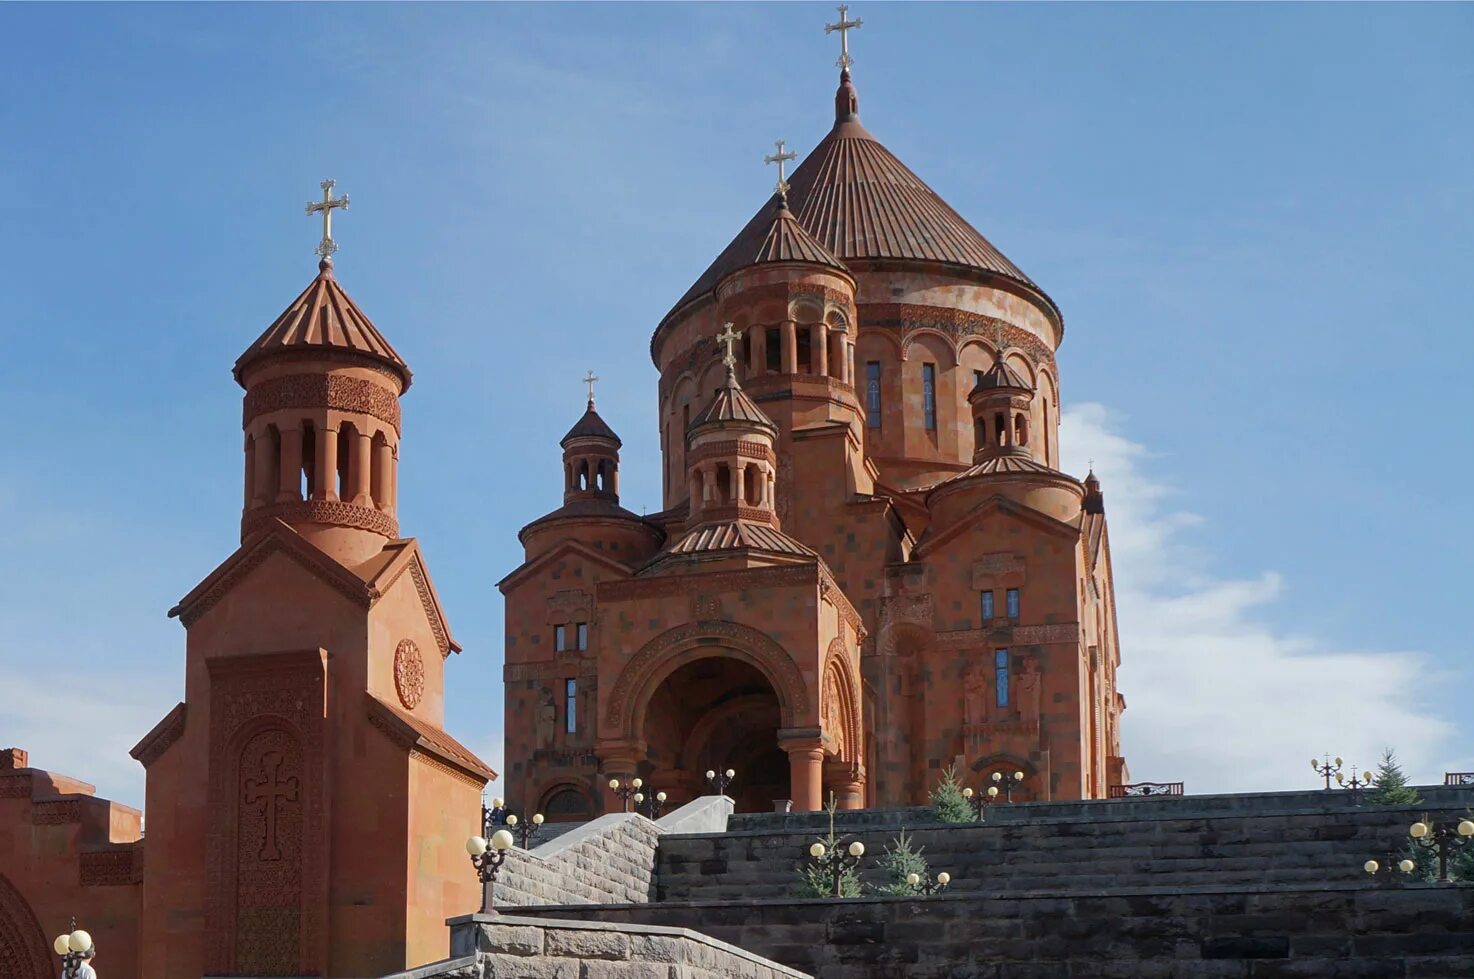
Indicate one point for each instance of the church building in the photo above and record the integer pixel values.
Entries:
(869, 566)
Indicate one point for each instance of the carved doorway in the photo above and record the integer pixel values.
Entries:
(23, 948)
(717, 713)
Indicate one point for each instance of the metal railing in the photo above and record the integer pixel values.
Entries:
(1458, 778)
(1141, 789)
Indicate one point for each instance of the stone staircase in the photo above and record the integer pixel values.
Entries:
(1185, 843)
(1197, 887)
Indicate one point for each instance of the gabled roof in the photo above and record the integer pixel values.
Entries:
(520, 574)
(323, 318)
(412, 732)
(934, 539)
(363, 585)
(856, 200)
(591, 426)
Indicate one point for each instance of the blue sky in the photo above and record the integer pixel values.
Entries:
(1256, 218)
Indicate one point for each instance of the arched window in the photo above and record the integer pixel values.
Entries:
(872, 394)
(1000, 661)
(567, 805)
(929, 396)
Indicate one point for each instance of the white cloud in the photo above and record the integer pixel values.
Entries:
(1216, 694)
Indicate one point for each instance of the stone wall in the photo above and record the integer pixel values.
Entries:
(514, 947)
(1350, 931)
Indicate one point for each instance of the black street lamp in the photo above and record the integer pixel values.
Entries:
(1354, 784)
(980, 799)
(1443, 839)
(928, 884)
(525, 832)
(720, 780)
(655, 802)
(75, 948)
(626, 790)
(487, 856)
(1327, 770)
(838, 861)
(1008, 783)
(1390, 866)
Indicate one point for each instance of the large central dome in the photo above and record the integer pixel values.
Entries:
(861, 203)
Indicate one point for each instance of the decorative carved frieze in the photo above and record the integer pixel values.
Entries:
(1033, 635)
(570, 605)
(335, 512)
(336, 391)
(113, 866)
(992, 566)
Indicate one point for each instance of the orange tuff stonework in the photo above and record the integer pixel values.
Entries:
(306, 809)
(869, 566)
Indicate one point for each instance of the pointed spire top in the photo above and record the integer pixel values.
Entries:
(846, 100)
(1094, 501)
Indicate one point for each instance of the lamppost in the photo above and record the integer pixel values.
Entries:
(1443, 839)
(75, 948)
(927, 885)
(1354, 784)
(652, 811)
(625, 791)
(525, 832)
(1327, 770)
(837, 861)
(980, 799)
(720, 780)
(1008, 783)
(1387, 870)
(487, 856)
(496, 815)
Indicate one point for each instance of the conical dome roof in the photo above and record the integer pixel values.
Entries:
(323, 317)
(1001, 376)
(787, 241)
(731, 404)
(858, 201)
(591, 426)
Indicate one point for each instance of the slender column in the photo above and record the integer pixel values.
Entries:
(790, 347)
(738, 483)
(383, 465)
(708, 482)
(361, 451)
(392, 486)
(693, 480)
(289, 488)
(263, 491)
(849, 792)
(250, 481)
(325, 487)
(757, 353)
(806, 776)
(819, 341)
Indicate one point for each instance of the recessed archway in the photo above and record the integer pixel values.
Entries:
(713, 713)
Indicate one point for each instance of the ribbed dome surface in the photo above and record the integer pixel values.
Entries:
(1001, 376)
(323, 317)
(787, 241)
(856, 200)
(591, 426)
(731, 404)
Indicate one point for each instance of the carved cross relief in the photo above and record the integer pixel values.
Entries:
(267, 791)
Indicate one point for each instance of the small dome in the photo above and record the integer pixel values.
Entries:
(731, 405)
(787, 241)
(591, 426)
(323, 317)
(1001, 377)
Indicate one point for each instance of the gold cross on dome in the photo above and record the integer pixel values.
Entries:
(726, 338)
(327, 205)
(844, 27)
(781, 157)
(590, 379)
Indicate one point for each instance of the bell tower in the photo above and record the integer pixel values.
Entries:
(312, 726)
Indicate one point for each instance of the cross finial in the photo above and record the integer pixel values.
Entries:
(781, 157)
(327, 205)
(591, 379)
(999, 341)
(726, 338)
(844, 27)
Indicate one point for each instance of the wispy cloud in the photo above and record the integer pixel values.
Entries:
(1217, 694)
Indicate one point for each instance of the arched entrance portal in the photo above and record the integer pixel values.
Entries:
(717, 712)
(24, 951)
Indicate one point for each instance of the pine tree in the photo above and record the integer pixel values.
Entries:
(947, 800)
(1391, 785)
(816, 877)
(900, 861)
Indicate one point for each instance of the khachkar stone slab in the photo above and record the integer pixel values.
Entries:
(503, 946)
